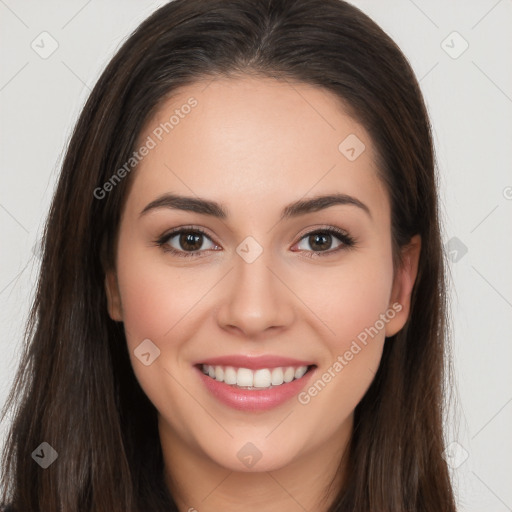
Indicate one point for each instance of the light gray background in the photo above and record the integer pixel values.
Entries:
(469, 97)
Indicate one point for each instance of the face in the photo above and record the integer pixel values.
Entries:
(226, 305)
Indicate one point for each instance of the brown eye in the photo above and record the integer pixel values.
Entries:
(320, 241)
(190, 241)
(186, 242)
(325, 241)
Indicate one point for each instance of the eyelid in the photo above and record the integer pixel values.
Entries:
(322, 228)
(346, 240)
(344, 237)
(164, 239)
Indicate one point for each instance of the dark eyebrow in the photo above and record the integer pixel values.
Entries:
(207, 207)
(321, 202)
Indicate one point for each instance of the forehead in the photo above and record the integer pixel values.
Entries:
(246, 140)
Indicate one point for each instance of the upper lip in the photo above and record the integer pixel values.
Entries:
(254, 362)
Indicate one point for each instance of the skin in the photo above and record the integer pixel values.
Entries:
(255, 145)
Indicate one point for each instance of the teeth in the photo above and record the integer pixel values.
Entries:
(219, 373)
(262, 378)
(244, 377)
(299, 372)
(277, 376)
(254, 379)
(230, 375)
(289, 374)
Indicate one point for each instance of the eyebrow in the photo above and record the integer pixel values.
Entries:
(214, 209)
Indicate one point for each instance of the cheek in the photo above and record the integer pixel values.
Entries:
(350, 298)
(155, 298)
(353, 355)
(356, 308)
(156, 303)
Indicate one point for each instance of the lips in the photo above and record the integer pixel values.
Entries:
(255, 362)
(254, 383)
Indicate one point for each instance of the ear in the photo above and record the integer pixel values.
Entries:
(403, 283)
(115, 310)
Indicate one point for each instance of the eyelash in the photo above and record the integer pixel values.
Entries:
(346, 240)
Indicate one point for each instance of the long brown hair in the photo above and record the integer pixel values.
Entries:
(75, 388)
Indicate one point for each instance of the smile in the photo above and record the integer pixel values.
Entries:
(263, 378)
(253, 384)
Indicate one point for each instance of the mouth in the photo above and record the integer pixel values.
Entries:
(254, 389)
(263, 378)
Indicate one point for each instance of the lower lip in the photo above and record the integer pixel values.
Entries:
(254, 400)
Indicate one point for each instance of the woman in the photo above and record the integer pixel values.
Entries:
(241, 302)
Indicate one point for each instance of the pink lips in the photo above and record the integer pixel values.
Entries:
(254, 400)
(254, 362)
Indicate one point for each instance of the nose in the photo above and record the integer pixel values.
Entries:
(256, 300)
